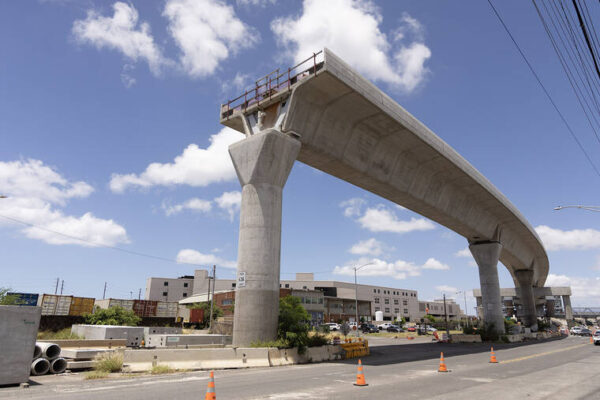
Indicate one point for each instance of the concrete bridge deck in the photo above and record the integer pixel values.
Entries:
(347, 127)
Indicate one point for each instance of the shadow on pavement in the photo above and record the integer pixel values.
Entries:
(396, 354)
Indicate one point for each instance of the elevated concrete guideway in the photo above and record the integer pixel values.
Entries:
(350, 129)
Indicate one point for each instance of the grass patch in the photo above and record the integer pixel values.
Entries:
(109, 362)
(95, 375)
(279, 343)
(63, 334)
(161, 369)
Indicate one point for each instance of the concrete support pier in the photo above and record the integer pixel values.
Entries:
(263, 163)
(568, 309)
(525, 292)
(486, 255)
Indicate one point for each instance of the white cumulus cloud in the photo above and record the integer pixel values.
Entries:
(585, 290)
(194, 167)
(463, 253)
(352, 30)
(447, 289)
(230, 202)
(353, 207)
(34, 191)
(123, 33)
(434, 264)
(381, 219)
(576, 239)
(195, 204)
(371, 247)
(398, 269)
(207, 32)
(189, 256)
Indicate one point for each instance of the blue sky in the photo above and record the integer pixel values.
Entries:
(109, 132)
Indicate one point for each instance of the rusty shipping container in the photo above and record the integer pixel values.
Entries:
(166, 309)
(108, 303)
(53, 304)
(196, 315)
(145, 308)
(81, 305)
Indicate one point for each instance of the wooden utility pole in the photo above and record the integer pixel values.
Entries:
(56, 287)
(446, 317)
(104, 292)
(62, 286)
(212, 298)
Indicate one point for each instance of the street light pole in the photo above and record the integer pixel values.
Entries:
(356, 296)
(588, 208)
(464, 292)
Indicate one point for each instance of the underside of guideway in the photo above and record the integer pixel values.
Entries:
(326, 115)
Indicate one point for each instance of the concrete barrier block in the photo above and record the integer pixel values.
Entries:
(461, 338)
(85, 343)
(515, 338)
(73, 365)
(18, 329)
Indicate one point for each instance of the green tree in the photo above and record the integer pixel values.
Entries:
(217, 311)
(430, 317)
(8, 299)
(293, 323)
(112, 316)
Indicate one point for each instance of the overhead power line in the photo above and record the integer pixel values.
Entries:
(537, 78)
(96, 244)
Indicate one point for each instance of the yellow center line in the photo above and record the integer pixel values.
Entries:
(543, 354)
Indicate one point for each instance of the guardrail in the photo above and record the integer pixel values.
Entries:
(271, 84)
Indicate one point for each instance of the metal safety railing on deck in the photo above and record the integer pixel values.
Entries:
(271, 84)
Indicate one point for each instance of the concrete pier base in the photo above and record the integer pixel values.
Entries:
(263, 163)
(568, 309)
(486, 255)
(525, 291)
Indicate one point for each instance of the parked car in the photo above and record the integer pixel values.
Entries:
(368, 328)
(332, 326)
(431, 329)
(585, 332)
(597, 338)
(394, 328)
(411, 329)
(384, 326)
(576, 330)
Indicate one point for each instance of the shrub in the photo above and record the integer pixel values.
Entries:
(317, 340)
(112, 316)
(8, 299)
(508, 325)
(95, 375)
(161, 369)
(58, 335)
(469, 330)
(279, 343)
(292, 323)
(109, 362)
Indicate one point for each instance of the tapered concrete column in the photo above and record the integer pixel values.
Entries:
(568, 309)
(525, 292)
(262, 162)
(486, 255)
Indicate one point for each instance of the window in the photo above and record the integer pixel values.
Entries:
(227, 302)
(376, 308)
(320, 300)
(165, 294)
(233, 284)
(396, 310)
(387, 310)
(374, 290)
(166, 284)
(376, 300)
(185, 284)
(287, 285)
(404, 302)
(395, 302)
(185, 295)
(315, 300)
(378, 291)
(303, 287)
(406, 311)
(387, 301)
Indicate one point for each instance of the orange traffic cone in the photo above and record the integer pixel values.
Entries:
(360, 376)
(442, 364)
(210, 390)
(493, 357)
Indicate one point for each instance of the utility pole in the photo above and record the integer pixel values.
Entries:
(104, 292)
(140, 294)
(466, 315)
(446, 317)
(62, 286)
(212, 298)
(131, 294)
(56, 287)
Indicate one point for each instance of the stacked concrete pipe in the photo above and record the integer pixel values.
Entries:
(46, 358)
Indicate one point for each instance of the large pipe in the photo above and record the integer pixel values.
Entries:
(50, 351)
(37, 351)
(40, 366)
(58, 365)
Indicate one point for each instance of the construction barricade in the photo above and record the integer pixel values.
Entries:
(356, 349)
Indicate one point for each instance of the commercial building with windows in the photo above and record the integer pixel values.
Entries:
(169, 289)
(436, 309)
(393, 302)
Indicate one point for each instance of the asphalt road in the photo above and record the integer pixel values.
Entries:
(558, 369)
